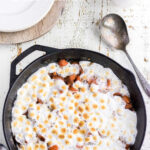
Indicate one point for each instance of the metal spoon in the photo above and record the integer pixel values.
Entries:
(114, 33)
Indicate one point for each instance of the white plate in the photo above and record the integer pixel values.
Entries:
(16, 15)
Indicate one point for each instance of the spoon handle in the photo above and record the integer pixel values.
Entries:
(144, 83)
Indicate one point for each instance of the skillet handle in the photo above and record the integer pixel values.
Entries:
(14, 63)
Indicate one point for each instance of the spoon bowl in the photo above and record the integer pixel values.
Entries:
(114, 31)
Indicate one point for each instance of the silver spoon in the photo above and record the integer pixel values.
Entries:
(114, 33)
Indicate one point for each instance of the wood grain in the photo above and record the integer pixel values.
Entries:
(36, 31)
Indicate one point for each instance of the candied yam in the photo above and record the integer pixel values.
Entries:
(78, 78)
(81, 70)
(58, 77)
(39, 101)
(70, 79)
(62, 63)
(54, 147)
(54, 75)
(60, 91)
(92, 80)
(89, 133)
(127, 147)
(128, 106)
(41, 138)
(108, 82)
(117, 94)
(50, 74)
(126, 99)
(73, 89)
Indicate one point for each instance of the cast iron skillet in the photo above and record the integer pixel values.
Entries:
(53, 55)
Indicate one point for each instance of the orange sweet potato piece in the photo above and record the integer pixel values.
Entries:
(117, 94)
(81, 70)
(73, 89)
(128, 106)
(70, 79)
(78, 78)
(58, 77)
(54, 73)
(127, 147)
(108, 82)
(62, 63)
(60, 91)
(93, 80)
(41, 137)
(126, 99)
(54, 147)
(89, 133)
(39, 101)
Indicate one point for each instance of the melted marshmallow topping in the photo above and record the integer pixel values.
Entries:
(73, 106)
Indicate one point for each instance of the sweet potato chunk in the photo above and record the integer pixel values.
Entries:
(126, 99)
(73, 89)
(118, 94)
(54, 147)
(39, 101)
(58, 77)
(92, 80)
(62, 63)
(127, 147)
(128, 106)
(81, 70)
(60, 91)
(41, 137)
(89, 133)
(108, 82)
(54, 75)
(78, 78)
(70, 79)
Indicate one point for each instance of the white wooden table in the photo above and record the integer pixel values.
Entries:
(78, 28)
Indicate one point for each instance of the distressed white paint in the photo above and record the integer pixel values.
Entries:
(78, 28)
